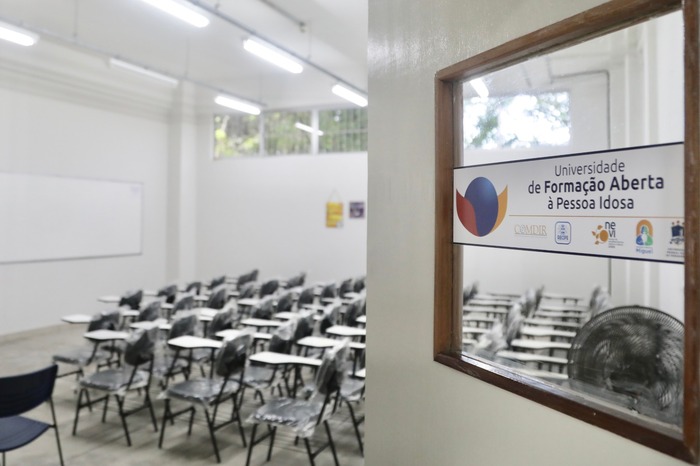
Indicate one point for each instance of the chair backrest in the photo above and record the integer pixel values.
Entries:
(251, 276)
(282, 338)
(514, 320)
(359, 284)
(194, 287)
(107, 320)
(140, 347)
(131, 299)
(269, 287)
(184, 304)
(184, 325)
(345, 287)
(286, 302)
(217, 281)
(21, 393)
(233, 354)
(218, 298)
(150, 312)
(296, 280)
(330, 318)
(352, 312)
(306, 297)
(169, 293)
(222, 320)
(247, 290)
(304, 327)
(329, 291)
(331, 373)
(264, 309)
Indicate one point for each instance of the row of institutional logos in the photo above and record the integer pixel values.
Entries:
(606, 234)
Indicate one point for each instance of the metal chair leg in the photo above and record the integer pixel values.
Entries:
(330, 441)
(210, 423)
(166, 415)
(122, 415)
(251, 445)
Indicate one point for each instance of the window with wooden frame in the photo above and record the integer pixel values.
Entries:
(567, 168)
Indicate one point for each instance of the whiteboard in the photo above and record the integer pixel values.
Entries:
(46, 218)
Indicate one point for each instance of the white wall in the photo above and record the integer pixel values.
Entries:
(44, 130)
(269, 213)
(420, 412)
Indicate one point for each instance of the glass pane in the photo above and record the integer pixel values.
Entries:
(236, 135)
(344, 130)
(610, 329)
(283, 137)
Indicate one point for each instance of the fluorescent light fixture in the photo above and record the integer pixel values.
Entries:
(235, 104)
(273, 55)
(17, 35)
(116, 63)
(308, 128)
(480, 87)
(181, 10)
(347, 94)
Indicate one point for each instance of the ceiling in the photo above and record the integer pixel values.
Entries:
(330, 34)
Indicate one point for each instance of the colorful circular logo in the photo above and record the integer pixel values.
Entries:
(481, 210)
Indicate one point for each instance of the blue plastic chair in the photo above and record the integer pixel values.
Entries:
(19, 394)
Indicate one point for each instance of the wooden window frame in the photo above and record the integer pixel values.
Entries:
(681, 443)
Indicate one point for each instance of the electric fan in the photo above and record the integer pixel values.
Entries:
(633, 356)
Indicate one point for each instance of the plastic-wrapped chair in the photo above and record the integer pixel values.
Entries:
(304, 327)
(306, 298)
(218, 298)
(260, 377)
(302, 416)
(352, 391)
(286, 302)
(216, 282)
(193, 287)
(352, 312)
(246, 290)
(346, 286)
(296, 281)
(209, 393)
(330, 318)
(103, 355)
(149, 313)
(168, 293)
(329, 292)
(269, 288)
(359, 284)
(251, 276)
(118, 382)
(132, 299)
(18, 395)
(264, 309)
(185, 303)
(222, 320)
(167, 363)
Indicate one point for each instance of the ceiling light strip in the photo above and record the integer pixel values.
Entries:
(215, 12)
(142, 70)
(308, 128)
(272, 55)
(180, 10)
(349, 95)
(236, 104)
(17, 35)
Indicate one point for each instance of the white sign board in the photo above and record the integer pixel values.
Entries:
(623, 203)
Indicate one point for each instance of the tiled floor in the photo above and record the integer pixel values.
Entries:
(105, 444)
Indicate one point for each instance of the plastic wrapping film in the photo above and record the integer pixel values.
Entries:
(222, 320)
(329, 291)
(184, 323)
(346, 286)
(286, 302)
(247, 290)
(306, 297)
(81, 356)
(302, 416)
(353, 311)
(264, 309)
(184, 304)
(169, 293)
(269, 287)
(106, 320)
(131, 299)
(303, 326)
(330, 317)
(217, 281)
(297, 280)
(514, 320)
(139, 350)
(150, 313)
(490, 342)
(359, 284)
(245, 278)
(218, 298)
(234, 353)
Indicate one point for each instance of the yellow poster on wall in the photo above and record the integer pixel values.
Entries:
(334, 214)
